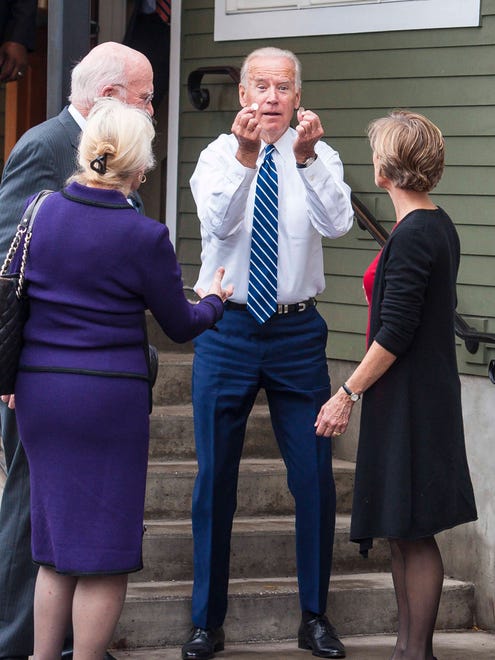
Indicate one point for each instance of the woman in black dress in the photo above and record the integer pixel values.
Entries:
(412, 477)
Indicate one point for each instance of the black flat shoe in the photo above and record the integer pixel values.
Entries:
(317, 634)
(203, 643)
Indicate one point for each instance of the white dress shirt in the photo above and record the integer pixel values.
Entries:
(312, 202)
(77, 116)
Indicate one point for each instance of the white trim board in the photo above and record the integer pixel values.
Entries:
(173, 122)
(306, 19)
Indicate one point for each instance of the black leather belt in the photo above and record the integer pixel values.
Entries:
(281, 309)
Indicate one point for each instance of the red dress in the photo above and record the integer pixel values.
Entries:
(368, 280)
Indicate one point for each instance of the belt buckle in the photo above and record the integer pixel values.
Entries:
(282, 309)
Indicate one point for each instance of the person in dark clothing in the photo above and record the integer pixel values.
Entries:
(148, 31)
(412, 477)
(17, 34)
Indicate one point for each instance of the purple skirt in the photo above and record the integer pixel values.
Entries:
(86, 439)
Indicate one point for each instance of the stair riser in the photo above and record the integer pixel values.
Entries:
(169, 556)
(266, 617)
(173, 383)
(171, 495)
(172, 437)
(259, 494)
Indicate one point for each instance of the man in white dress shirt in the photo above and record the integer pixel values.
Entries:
(285, 354)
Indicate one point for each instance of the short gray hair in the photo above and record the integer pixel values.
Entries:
(108, 64)
(271, 51)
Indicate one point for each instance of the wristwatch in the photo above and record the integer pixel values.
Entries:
(309, 161)
(353, 396)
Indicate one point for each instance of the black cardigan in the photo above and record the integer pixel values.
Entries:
(412, 478)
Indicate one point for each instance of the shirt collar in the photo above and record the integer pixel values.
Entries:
(283, 145)
(77, 116)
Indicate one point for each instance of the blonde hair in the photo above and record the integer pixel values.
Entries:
(410, 150)
(120, 136)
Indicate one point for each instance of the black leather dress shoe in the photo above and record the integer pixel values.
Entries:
(203, 643)
(317, 634)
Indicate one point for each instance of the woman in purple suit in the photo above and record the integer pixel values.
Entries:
(82, 394)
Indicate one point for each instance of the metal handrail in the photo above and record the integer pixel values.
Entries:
(200, 96)
(469, 335)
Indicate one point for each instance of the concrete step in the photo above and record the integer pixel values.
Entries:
(261, 547)
(172, 433)
(262, 488)
(458, 645)
(173, 382)
(158, 613)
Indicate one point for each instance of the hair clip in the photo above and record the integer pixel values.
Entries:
(99, 164)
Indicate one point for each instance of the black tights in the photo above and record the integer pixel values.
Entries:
(417, 571)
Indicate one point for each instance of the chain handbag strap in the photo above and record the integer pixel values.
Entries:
(25, 228)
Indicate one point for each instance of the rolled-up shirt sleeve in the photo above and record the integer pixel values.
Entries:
(328, 196)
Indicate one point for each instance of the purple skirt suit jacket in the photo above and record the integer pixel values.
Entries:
(95, 265)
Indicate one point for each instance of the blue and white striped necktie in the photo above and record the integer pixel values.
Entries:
(262, 287)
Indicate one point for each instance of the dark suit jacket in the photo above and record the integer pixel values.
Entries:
(43, 158)
(18, 21)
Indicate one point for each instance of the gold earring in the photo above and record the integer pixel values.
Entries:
(142, 178)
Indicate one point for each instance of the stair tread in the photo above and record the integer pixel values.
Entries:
(186, 409)
(176, 357)
(242, 525)
(247, 464)
(452, 645)
(242, 587)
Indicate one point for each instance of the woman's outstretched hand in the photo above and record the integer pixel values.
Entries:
(216, 287)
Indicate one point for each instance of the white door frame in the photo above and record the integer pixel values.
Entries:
(112, 28)
(173, 121)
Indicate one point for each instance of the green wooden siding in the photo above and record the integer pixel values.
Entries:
(449, 75)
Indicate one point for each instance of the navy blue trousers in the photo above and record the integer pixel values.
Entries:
(286, 357)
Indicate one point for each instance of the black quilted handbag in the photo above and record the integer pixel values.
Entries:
(14, 304)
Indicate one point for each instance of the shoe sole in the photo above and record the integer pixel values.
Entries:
(305, 646)
(216, 649)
